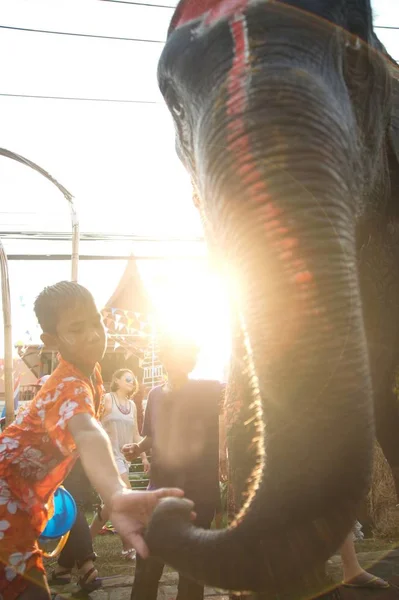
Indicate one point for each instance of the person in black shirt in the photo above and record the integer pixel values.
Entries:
(181, 427)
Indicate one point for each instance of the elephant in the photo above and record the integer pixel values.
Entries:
(287, 120)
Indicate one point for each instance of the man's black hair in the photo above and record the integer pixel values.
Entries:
(57, 298)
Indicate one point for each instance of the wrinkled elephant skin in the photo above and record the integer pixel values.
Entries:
(286, 117)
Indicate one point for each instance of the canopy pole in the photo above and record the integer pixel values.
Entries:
(8, 358)
(68, 197)
(75, 243)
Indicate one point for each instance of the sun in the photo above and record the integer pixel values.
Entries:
(189, 299)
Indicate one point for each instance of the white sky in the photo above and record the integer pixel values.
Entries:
(118, 160)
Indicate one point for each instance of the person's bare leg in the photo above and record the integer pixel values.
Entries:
(352, 571)
(129, 553)
(350, 564)
(100, 519)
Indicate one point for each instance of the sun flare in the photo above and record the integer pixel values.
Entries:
(190, 300)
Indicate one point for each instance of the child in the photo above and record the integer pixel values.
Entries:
(181, 426)
(40, 447)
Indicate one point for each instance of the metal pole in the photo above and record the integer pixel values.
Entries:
(8, 359)
(75, 243)
(152, 353)
(68, 197)
(5, 284)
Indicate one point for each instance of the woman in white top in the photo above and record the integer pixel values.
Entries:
(119, 419)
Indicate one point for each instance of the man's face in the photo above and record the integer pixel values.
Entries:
(80, 336)
(178, 360)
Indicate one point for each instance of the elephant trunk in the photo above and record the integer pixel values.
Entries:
(278, 201)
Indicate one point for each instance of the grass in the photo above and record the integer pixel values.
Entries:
(376, 545)
(110, 561)
(382, 499)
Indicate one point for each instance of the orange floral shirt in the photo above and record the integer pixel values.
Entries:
(37, 451)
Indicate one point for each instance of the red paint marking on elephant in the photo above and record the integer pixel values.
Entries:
(238, 142)
(251, 177)
(237, 136)
(303, 277)
(225, 9)
(259, 186)
(237, 99)
(289, 243)
(269, 209)
(272, 225)
(247, 173)
(212, 10)
(244, 169)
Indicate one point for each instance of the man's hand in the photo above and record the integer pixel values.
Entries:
(146, 465)
(131, 511)
(131, 451)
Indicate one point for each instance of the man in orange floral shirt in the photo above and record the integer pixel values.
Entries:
(39, 448)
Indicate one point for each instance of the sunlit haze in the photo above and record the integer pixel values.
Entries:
(117, 159)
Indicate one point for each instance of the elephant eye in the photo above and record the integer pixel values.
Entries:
(178, 110)
(353, 42)
(174, 103)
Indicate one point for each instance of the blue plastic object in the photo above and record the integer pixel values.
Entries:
(63, 518)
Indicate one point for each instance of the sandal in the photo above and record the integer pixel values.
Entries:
(129, 554)
(61, 578)
(92, 585)
(366, 580)
(106, 529)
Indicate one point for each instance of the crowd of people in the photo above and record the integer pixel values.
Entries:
(76, 435)
(71, 417)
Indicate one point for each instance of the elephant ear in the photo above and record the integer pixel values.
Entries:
(394, 123)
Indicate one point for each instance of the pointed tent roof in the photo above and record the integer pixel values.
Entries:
(126, 316)
(130, 293)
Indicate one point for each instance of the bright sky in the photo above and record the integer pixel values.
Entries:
(118, 160)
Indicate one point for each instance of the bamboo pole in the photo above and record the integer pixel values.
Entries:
(8, 359)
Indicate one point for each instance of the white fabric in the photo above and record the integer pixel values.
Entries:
(358, 534)
(43, 380)
(121, 429)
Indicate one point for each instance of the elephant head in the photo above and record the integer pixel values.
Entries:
(284, 119)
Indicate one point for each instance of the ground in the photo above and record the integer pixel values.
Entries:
(118, 573)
